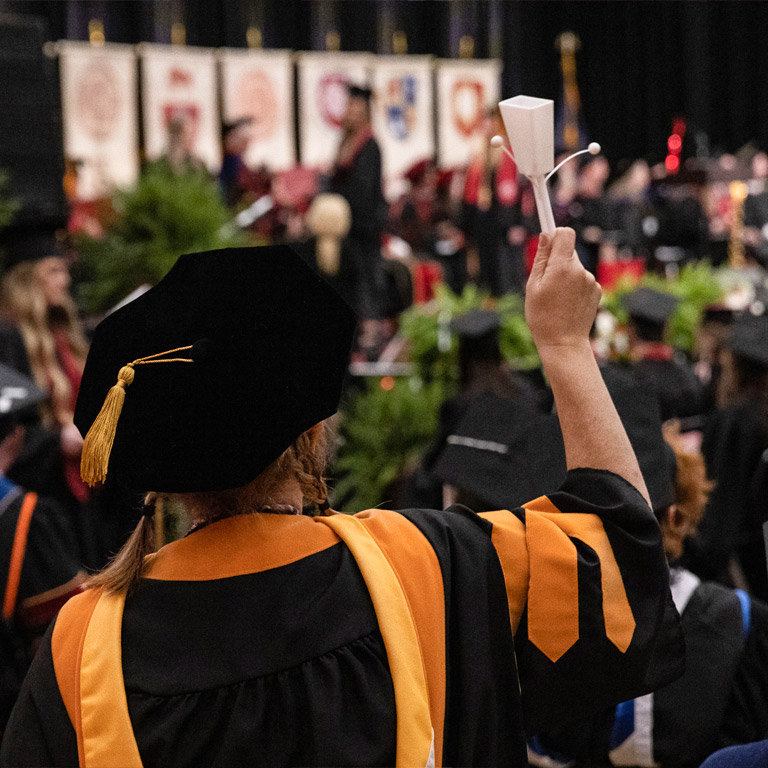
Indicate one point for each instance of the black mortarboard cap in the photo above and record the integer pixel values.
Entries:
(478, 332)
(232, 125)
(749, 339)
(28, 242)
(270, 341)
(506, 453)
(503, 452)
(19, 397)
(649, 305)
(359, 91)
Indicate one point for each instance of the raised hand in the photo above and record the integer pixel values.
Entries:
(561, 297)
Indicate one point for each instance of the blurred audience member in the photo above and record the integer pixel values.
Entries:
(179, 153)
(39, 565)
(756, 209)
(589, 211)
(356, 176)
(730, 545)
(491, 214)
(654, 362)
(634, 217)
(239, 184)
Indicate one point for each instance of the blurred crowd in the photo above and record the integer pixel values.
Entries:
(476, 225)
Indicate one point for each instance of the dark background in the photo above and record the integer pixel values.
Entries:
(640, 64)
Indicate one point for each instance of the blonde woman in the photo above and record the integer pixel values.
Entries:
(41, 336)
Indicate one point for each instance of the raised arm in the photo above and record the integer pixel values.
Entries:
(560, 306)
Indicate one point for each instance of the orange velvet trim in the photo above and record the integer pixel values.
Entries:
(67, 651)
(418, 569)
(508, 538)
(17, 555)
(239, 545)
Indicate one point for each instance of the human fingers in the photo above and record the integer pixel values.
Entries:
(542, 256)
(563, 245)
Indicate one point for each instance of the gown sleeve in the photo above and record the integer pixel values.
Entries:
(593, 616)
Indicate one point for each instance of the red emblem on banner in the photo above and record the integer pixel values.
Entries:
(189, 114)
(256, 98)
(332, 98)
(467, 101)
(179, 78)
(97, 100)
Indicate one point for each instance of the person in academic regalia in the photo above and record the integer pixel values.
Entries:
(722, 699)
(756, 209)
(356, 176)
(654, 362)
(734, 445)
(41, 336)
(491, 215)
(482, 369)
(270, 637)
(39, 566)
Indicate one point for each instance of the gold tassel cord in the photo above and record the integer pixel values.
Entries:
(97, 445)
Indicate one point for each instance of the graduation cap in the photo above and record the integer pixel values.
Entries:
(28, 242)
(19, 397)
(749, 339)
(506, 452)
(359, 92)
(233, 125)
(219, 368)
(650, 306)
(503, 452)
(478, 332)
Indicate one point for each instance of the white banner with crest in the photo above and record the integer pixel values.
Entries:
(403, 115)
(178, 88)
(99, 113)
(323, 79)
(466, 88)
(259, 85)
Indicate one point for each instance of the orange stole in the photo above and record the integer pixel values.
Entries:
(540, 565)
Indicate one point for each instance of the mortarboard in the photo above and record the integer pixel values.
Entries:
(19, 397)
(507, 453)
(28, 242)
(649, 305)
(478, 332)
(749, 339)
(233, 125)
(256, 346)
(359, 92)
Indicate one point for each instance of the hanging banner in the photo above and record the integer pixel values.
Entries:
(403, 117)
(178, 91)
(323, 79)
(259, 85)
(99, 115)
(466, 88)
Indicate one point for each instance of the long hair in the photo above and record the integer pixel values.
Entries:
(743, 381)
(305, 461)
(23, 303)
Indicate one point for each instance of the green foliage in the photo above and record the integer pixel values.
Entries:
(383, 433)
(164, 216)
(697, 286)
(434, 349)
(8, 204)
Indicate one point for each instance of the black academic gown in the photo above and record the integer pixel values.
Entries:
(255, 641)
(360, 184)
(50, 574)
(679, 392)
(721, 700)
(735, 440)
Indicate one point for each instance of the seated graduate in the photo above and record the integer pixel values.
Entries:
(39, 567)
(271, 637)
(655, 363)
(722, 698)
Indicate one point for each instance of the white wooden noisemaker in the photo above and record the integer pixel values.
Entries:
(530, 126)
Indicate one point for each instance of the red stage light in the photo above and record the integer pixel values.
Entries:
(387, 383)
(674, 144)
(673, 163)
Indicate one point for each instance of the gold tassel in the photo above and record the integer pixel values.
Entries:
(98, 442)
